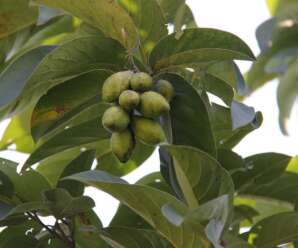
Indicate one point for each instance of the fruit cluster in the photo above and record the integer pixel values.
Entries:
(137, 101)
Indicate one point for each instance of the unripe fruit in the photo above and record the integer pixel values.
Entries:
(153, 104)
(115, 119)
(141, 81)
(148, 131)
(122, 145)
(114, 85)
(129, 99)
(165, 88)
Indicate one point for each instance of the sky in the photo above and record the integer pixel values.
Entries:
(241, 18)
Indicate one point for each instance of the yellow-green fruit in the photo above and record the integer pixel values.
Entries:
(141, 81)
(148, 131)
(115, 119)
(122, 145)
(129, 99)
(153, 104)
(165, 88)
(115, 85)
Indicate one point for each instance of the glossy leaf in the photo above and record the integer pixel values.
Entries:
(190, 122)
(198, 46)
(121, 28)
(145, 201)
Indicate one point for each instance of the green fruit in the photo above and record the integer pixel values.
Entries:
(122, 145)
(129, 99)
(165, 88)
(153, 104)
(141, 81)
(115, 119)
(148, 131)
(114, 85)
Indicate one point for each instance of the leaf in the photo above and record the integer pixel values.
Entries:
(222, 127)
(62, 204)
(284, 231)
(119, 237)
(261, 169)
(16, 15)
(190, 124)
(114, 21)
(81, 163)
(264, 34)
(14, 77)
(146, 202)
(287, 93)
(198, 46)
(75, 57)
(235, 242)
(23, 241)
(149, 20)
(275, 6)
(204, 174)
(230, 160)
(242, 115)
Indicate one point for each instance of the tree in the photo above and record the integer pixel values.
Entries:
(277, 38)
(62, 64)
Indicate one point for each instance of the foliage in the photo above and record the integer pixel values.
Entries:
(277, 38)
(55, 56)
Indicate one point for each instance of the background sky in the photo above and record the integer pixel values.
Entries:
(240, 18)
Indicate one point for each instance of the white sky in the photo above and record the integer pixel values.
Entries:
(241, 18)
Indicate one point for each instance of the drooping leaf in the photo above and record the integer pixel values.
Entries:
(120, 28)
(190, 124)
(198, 46)
(147, 202)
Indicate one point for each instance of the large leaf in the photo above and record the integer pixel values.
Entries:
(203, 176)
(198, 46)
(147, 202)
(119, 237)
(75, 57)
(120, 28)
(284, 231)
(16, 15)
(149, 20)
(14, 78)
(190, 124)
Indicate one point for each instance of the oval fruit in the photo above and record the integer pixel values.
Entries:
(115, 119)
(122, 145)
(148, 131)
(129, 99)
(115, 85)
(153, 104)
(165, 88)
(141, 81)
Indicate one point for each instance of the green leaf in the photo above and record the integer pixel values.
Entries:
(198, 46)
(177, 13)
(261, 169)
(149, 20)
(76, 57)
(14, 77)
(62, 204)
(81, 163)
(235, 242)
(146, 202)
(190, 124)
(276, 6)
(287, 93)
(204, 174)
(225, 136)
(284, 231)
(23, 241)
(119, 237)
(16, 15)
(120, 28)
